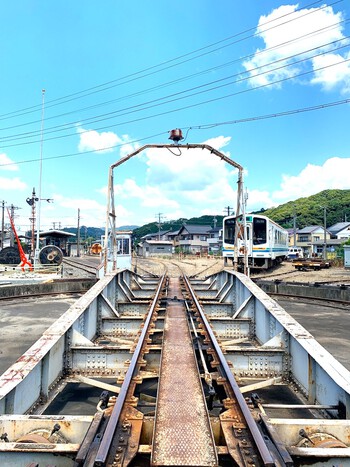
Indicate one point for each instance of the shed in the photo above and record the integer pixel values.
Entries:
(156, 247)
(58, 238)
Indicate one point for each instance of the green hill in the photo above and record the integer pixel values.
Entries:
(176, 225)
(310, 210)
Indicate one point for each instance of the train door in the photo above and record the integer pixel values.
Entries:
(242, 244)
(259, 231)
(249, 239)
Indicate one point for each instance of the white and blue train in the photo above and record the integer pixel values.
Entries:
(266, 242)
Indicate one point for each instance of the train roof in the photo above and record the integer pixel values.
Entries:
(257, 215)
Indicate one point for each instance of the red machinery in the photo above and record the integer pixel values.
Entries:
(24, 260)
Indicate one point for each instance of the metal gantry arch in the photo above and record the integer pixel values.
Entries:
(110, 245)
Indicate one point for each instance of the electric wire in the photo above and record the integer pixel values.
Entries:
(49, 103)
(138, 107)
(192, 127)
(279, 81)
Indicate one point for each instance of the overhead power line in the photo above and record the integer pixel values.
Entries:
(198, 127)
(112, 114)
(157, 68)
(152, 103)
(195, 104)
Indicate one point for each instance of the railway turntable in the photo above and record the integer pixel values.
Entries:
(179, 437)
(159, 371)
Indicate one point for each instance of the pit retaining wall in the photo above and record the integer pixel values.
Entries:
(55, 286)
(312, 290)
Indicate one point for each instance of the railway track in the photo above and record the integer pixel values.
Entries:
(176, 371)
(82, 264)
(158, 266)
(192, 376)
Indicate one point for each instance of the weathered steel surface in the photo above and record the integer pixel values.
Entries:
(182, 430)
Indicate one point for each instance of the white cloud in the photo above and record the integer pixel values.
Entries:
(315, 28)
(6, 163)
(259, 199)
(330, 76)
(334, 173)
(147, 196)
(92, 140)
(92, 213)
(12, 184)
(183, 182)
(186, 170)
(193, 183)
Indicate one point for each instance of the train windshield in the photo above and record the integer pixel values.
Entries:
(259, 231)
(229, 231)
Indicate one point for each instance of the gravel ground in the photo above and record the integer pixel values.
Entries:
(205, 266)
(287, 272)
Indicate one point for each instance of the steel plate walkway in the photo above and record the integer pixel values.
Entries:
(182, 434)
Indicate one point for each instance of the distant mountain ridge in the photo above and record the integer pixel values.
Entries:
(95, 232)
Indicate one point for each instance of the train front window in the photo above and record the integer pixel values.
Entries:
(259, 231)
(229, 231)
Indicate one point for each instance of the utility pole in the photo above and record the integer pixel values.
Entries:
(160, 218)
(324, 238)
(12, 235)
(3, 224)
(78, 234)
(229, 210)
(294, 227)
(31, 201)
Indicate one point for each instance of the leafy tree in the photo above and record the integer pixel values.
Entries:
(310, 210)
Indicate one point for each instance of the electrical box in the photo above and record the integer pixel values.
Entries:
(347, 256)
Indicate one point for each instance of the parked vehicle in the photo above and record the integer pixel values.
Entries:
(295, 252)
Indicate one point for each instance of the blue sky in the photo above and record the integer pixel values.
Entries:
(121, 74)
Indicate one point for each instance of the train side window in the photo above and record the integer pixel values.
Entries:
(259, 231)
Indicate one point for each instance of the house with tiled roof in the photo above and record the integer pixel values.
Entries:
(340, 230)
(194, 239)
(311, 239)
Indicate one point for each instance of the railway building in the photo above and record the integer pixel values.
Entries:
(155, 248)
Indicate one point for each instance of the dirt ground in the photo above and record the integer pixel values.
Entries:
(205, 266)
(287, 272)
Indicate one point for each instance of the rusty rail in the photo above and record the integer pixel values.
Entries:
(257, 436)
(107, 440)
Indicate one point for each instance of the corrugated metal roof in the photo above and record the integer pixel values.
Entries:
(56, 233)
